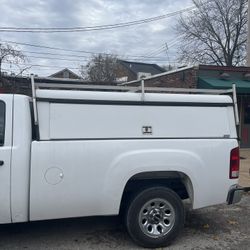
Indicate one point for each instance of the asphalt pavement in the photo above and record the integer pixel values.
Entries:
(217, 227)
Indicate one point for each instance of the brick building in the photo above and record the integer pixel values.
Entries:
(185, 77)
(22, 84)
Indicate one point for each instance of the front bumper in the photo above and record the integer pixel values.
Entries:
(235, 193)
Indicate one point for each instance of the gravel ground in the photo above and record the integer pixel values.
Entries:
(218, 227)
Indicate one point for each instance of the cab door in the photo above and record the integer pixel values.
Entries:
(5, 156)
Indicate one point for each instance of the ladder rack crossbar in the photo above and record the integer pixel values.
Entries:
(130, 89)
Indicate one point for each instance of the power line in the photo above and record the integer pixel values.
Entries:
(53, 54)
(74, 56)
(133, 57)
(163, 47)
(160, 49)
(48, 47)
(153, 51)
(44, 66)
(60, 59)
(71, 50)
(93, 28)
(86, 60)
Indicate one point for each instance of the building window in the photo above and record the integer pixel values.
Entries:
(66, 74)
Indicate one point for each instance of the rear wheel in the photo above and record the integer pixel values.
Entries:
(155, 216)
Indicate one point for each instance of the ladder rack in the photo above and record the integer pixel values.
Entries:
(82, 86)
(142, 88)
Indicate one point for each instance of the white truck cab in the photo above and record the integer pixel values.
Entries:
(72, 153)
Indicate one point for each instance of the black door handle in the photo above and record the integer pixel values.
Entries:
(1, 163)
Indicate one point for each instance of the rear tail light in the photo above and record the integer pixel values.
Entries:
(234, 163)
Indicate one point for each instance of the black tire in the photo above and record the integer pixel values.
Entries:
(142, 234)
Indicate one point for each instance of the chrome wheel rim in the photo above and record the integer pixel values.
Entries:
(156, 218)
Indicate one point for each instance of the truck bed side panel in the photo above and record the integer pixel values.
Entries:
(84, 178)
(79, 121)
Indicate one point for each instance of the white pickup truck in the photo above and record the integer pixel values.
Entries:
(68, 153)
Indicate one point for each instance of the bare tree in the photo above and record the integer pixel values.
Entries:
(9, 54)
(101, 68)
(214, 33)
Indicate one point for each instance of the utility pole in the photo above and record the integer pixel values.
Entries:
(166, 44)
(248, 35)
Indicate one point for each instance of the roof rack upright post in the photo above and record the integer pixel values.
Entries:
(142, 90)
(236, 113)
(33, 87)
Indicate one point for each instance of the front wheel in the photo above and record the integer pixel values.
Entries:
(155, 217)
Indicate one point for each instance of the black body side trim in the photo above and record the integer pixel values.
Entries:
(2, 139)
(37, 134)
(134, 103)
(35, 128)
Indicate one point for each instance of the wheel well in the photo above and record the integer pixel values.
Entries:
(176, 181)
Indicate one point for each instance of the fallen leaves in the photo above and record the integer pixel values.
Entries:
(232, 222)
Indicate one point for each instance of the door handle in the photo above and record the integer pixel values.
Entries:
(1, 163)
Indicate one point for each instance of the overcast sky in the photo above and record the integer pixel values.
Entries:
(145, 39)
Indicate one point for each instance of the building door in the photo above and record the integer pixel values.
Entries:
(245, 124)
